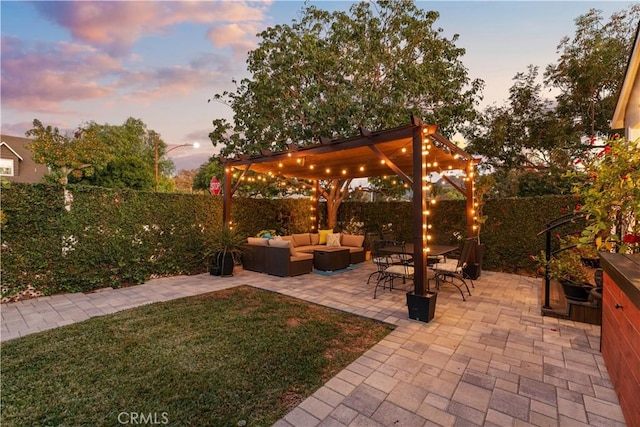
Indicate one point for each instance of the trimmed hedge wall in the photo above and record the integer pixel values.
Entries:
(106, 237)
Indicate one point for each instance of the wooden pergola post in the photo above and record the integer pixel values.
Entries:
(315, 203)
(470, 207)
(419, 205)
(226, 201)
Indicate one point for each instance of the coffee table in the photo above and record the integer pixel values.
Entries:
(331, 259)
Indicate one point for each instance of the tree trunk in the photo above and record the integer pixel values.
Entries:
(334, 193)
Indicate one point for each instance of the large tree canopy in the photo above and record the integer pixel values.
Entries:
(530, 142)
(591, 67)
(331, 73)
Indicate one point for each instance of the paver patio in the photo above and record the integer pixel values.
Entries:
(492, 360)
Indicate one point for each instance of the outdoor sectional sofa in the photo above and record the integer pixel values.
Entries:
(293, 255)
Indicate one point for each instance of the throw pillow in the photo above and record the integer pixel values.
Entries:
(333, 240)
(290, 239)
(322, 236)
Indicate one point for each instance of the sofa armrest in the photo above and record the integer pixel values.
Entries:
(278, 263)
(254, 258)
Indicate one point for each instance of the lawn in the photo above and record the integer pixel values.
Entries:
(226, 358)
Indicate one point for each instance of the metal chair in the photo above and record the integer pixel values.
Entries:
(457, 277)
(394, 265)
(378, 258)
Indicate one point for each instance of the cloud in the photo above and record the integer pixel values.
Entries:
(240, 37)
(39, 77)
(115, 26)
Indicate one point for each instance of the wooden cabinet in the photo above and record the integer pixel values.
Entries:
(621, 330)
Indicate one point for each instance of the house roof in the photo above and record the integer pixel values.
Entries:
(630, 80)
(370, 154)
(18, 145)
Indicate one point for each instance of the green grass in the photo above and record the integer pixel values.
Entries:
(216, 359)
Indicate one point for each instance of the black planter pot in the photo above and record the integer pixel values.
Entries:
(422, 307)
(221, 264)
(591, 262)
(576, 291)
(473, 269)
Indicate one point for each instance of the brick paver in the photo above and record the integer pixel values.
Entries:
(492, 360)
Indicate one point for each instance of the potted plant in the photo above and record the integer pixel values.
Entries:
(567, 268)
(225, 249)
(482, 188)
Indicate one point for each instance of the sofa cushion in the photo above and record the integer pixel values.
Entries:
(301, 257)
(315, 239)
(283, 244)
(333, 240)
(308, 248)
(303, 239)
(257, 241)
(322, 236)
(354, 240)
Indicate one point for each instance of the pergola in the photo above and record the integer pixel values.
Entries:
(413, 152)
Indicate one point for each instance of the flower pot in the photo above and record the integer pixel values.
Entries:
(221, 264)
(422, 307)
(576, 291)
(473, 269)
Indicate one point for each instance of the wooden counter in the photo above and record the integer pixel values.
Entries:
(621, 329)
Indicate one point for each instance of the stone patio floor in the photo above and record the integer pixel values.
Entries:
(492, 360)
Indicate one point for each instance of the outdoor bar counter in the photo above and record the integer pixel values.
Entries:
(620, 333)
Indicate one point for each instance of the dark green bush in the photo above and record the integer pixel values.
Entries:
(109, 237)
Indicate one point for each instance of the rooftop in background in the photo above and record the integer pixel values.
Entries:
(16, 163)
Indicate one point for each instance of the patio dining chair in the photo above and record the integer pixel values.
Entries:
(378, 258)
(394, 265)
(456, 276)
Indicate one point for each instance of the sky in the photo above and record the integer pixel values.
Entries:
(68, 63)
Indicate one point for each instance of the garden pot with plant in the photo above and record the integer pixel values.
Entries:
(483, 187)
(567, 268)
(225, 249)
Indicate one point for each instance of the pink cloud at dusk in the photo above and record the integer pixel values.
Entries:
(165, 82)
(115, 26)
(39, 78)
(240, 37)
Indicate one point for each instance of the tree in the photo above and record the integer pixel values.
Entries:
(523, 141)
(591, 67)
(331, 73)
(79, 154)
(133, 157)
(184, 180)
(531, 142)
(125, 172)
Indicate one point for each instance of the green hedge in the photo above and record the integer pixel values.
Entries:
(107, 237)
